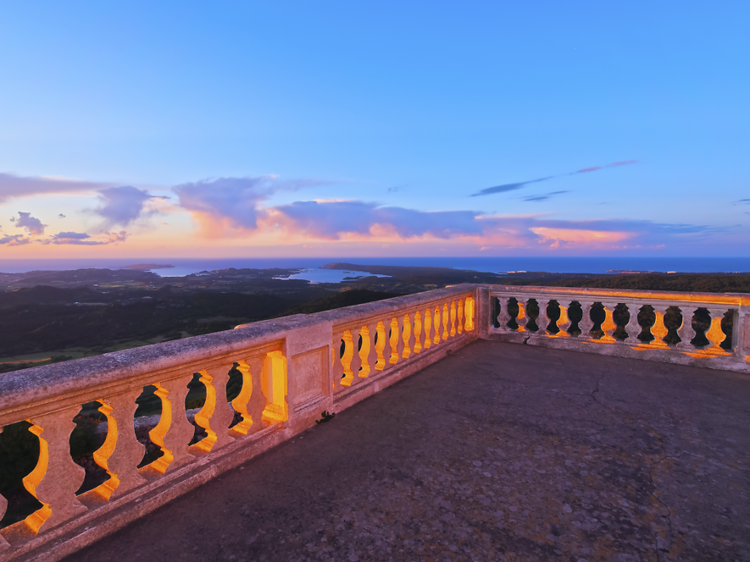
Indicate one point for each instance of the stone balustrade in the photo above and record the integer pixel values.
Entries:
(261, 384)
(705, 329)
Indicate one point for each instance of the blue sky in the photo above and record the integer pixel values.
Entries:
(360, 108)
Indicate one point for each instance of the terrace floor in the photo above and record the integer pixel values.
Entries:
(498, 452)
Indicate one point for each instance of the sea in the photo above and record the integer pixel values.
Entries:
(311, 272)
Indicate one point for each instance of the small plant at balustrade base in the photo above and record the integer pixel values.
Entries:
(326, 416)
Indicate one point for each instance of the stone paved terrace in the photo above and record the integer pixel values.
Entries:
(498, 452)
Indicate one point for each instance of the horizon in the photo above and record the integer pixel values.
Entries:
(256, 131)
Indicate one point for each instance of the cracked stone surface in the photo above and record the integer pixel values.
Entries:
(499, 452)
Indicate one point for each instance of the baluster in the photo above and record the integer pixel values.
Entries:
(469, 312)
(383, 347)
(338, 365)
(400, 343)
(174, 432)
(563, 323)
(446, 319)
(453, 319)
(521, 316)
(251, 402)
(417, 335)
(659, 330)
(633, 328)
(503, 317)
(346, 359)
(356, 362)
(121, 451)
(428, 328)
(715, 334)
(56, 478)
(461, 316)
(3, 506)
(368, 353)
(436, 322)
(608, 326)
(215, 416)
(542, 321)
(395, 340)
(586, 324)
(686, 332)
(406, 336)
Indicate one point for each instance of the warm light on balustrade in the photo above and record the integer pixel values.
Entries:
(361, 350)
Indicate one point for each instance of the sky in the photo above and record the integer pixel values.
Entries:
(260, 129)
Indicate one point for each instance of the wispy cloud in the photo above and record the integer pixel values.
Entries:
(742, 202)
(83, 239)
(543, 197)
(20, 186)
(508, 187)
(32, 225)
(586, 170)
(514, 186)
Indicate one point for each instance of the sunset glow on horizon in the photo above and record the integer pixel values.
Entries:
(260, 130)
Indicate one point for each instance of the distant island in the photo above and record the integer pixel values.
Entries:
(146, 266)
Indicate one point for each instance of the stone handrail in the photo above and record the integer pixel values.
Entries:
(507, 318)
(291, 369)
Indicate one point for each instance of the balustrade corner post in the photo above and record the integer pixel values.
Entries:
(56, 477)
(3, 507)
(744, 333)
(740, 336)
(483, 311)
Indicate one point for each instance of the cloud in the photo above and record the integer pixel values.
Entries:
(543, 197)
(61, 216)
(331, 219)
(508, 187)
(20, 186)
(513, 186)
(32, 225)
(232, 203)
(586, 170)
(83, 239)
(397, 188)
(15, 240)
(122, 205)
(742, 202)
